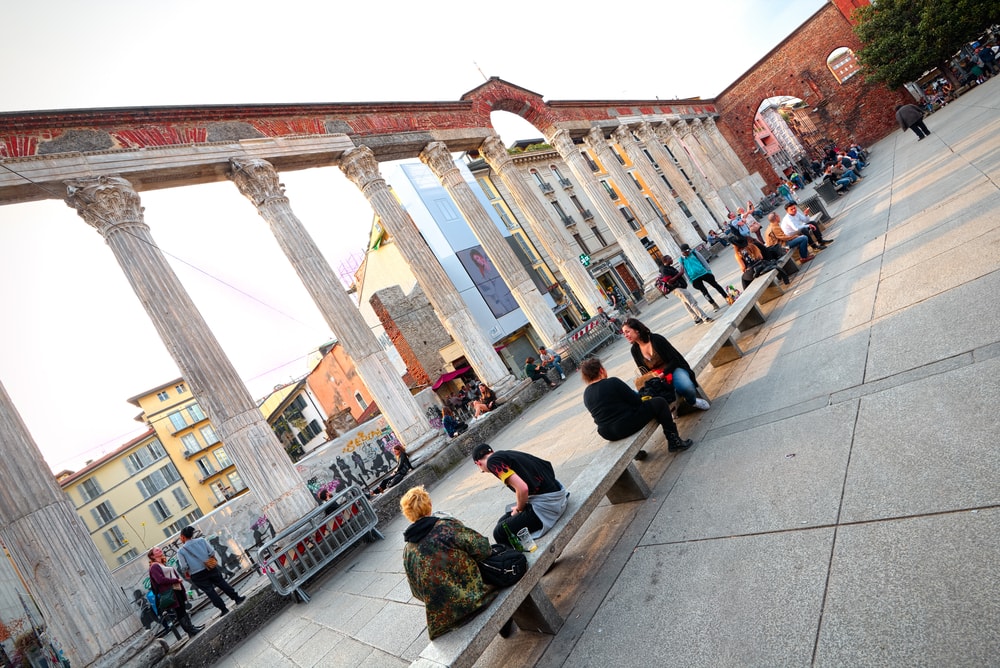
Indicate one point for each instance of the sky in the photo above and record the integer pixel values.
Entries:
(76, 343)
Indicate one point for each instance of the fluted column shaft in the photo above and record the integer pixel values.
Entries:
(111, 206)
(679, 220)
(551, 234)
(361, 167)
(258, 181)
(719, 160)
(548, 328)
(743, 175)
(701, 160)
(655, 230)
(84, 608)
(669, 136)
(624, 235)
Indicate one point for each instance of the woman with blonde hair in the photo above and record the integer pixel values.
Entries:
(441, 558)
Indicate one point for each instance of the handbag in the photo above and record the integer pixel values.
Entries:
(166, 599)
(504, 567)
(211, 562)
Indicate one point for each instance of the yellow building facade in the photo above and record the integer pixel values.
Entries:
(131, 499)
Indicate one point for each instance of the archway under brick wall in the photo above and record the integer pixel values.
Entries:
(850, 111)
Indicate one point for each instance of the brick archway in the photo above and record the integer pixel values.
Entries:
(852, 111)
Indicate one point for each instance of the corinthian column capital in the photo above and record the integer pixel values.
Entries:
(106, 203)
(360, 166)
(257, 180)
(697, 127)
(681, 128)
(562, 142)
(623, 136)
(645, 132)
(495, 153)
(595, 139)
(436, 156)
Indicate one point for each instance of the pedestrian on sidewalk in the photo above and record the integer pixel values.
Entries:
(619, 411)
(541, 498)
(200, 564)
(164, 579)
(441, 559)
(672, 281)
(699, 273)
(911, 117)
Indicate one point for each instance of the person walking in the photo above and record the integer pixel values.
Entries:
(911, 117)
(671, 281)
(200, 564)
(698, 272)
(168, 590)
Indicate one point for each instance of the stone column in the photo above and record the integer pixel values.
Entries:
(548, 328)
(655, 230)
(624, 235)
(551, 234)
(701, 160)
(667, 135)
(720, 160)
(111, 206)
(743, 174)
(85, 610)
(686, 231)
(258, 181)
(361, 168)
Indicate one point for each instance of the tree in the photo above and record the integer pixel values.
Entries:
(905, 38)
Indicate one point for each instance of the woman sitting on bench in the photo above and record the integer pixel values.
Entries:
(652, 353)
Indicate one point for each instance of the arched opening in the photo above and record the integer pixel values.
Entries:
(786, 132)
(843, 64)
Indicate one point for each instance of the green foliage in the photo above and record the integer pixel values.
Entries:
(905, 38)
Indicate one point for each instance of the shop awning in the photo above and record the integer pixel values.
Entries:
(451, 375)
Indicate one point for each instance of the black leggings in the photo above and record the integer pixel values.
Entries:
(654, 408)
(699, 284)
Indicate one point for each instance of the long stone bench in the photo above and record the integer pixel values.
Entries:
(526, 602)
(615, 476)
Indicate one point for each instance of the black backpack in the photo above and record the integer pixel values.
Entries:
(657, 387)
(504, 567)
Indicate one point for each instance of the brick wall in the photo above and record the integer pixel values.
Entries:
(852, 111)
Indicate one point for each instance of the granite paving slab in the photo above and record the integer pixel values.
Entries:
(927, 446)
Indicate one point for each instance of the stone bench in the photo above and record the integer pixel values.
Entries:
(613, 475)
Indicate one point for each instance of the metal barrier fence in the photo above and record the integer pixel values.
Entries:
(303, 549)
(589, 337)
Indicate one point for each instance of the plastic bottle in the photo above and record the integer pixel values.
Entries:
(512, 538)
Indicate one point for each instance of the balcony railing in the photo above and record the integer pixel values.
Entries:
(568, 220)
(586, 214)
(566, 183)
(545, 187)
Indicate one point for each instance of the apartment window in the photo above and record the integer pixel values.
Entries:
(502, 212)
(197, 415)
(205, 467)
(638, 186)
(191, 444)
(600, 237)
(222, 458)
(163, 396)
(103, 513)
(526, 248)
(558, 174)
(617, 155)
(684, 208)
(313, 428)
(115, 538)
(158, 481)
(577, 203)
(299, 402)
(90, 489)
(538, 177)
(629, 217)
(181, 497)
(650, 157)
(144, 456)
(668, 185)
(208, 435)
(669, 152)
(361, 401)
(160, 510)
(487, 188)
(236, 482)
(590, 162)
(610, 190)
(127, 556)
(177, 420)
(656, 210)
(180, 389)
(581, 244)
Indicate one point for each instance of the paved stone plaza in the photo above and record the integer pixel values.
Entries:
(840, 506)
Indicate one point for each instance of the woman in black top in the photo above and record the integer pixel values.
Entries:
(619, 412)
(652, 352)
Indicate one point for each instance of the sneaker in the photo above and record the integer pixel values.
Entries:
(240, 599)
(701, 404)
(807, 258)
(715, 306)
(827, 242)
(562, 376)
(698, 321)
(708, 319)
(225, 611)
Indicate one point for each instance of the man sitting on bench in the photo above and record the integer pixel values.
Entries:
(619, 411)
(541, 499)
(795, 223)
